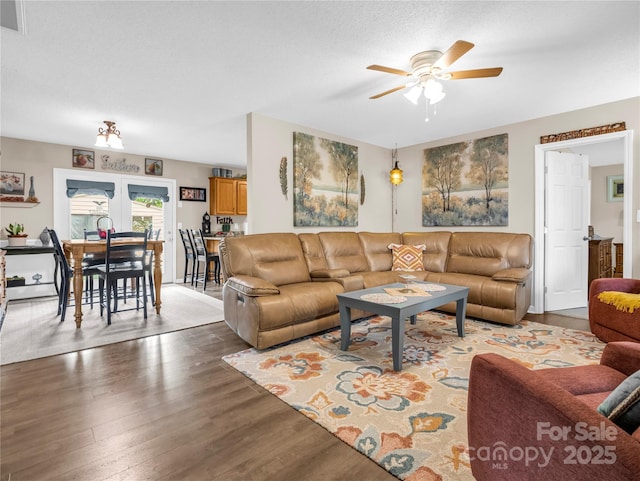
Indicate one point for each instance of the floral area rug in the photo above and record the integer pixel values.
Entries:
(413, 422)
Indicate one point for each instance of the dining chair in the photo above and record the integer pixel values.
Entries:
(131, 246)
(89, 262)
(66, 274)
(189, 254)
(203, 256)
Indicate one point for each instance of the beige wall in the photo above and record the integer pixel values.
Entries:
(269, 211)
(270, 139)
(606, 217)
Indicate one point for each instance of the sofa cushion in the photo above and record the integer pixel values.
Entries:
(485, 253)
(407, 258)
(622, 406)
(277, 258)
(343, 250)
(376, 251)
(437, 247)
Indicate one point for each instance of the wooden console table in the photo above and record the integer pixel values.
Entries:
(618, 272)
(600, 259)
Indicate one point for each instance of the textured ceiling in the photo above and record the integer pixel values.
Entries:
(179, 77)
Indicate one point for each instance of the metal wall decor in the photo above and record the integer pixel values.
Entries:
(283, 176)
(576, 134)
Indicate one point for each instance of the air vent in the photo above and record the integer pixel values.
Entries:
(12, 15)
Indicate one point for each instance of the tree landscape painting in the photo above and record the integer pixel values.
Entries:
(325, 182)
(466, 183)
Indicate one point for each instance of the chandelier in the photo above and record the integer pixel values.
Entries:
(109, 137)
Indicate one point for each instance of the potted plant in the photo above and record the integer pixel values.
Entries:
(16, 235)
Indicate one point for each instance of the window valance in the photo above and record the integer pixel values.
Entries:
(88, 187)
(148, 192)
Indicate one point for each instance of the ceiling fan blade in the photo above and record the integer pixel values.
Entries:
(454, 52)
(389, 70)
(477, 73)
(389, 92)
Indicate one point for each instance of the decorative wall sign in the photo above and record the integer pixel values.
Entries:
(11, 183)
(362, 189)
(466, 183)
(152, 167)
(615, 188)
(193, 193)
(117, 165)
(325, 182)
(576, 134)
(84, 159)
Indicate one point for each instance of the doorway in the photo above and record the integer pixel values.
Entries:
(540, 151)
(124, 211)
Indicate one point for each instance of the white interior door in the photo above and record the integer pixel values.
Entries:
(567, 218)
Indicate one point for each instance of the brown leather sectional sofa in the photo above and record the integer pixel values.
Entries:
(283, 286)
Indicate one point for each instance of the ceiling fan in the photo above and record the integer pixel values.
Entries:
(429, 66)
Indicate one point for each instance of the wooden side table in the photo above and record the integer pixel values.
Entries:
(619, 259)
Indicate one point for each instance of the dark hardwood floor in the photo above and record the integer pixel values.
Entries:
(165, 408)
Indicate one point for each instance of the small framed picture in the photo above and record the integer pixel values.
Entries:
(615, 188)
(84, 159)
(152, 167)
(11, 183)
(193, 193)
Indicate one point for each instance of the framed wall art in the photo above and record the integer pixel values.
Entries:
(84, 159)
(11, 183)
(152, 167)
(325, 182)
(615, 188)
(466, 183)
(193, 193)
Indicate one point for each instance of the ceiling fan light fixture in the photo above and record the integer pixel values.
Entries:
(432, 89)
(414, 94)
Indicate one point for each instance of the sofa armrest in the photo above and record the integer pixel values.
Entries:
(348, 283)
(623, 356)
(619, 284)
(519, 275)
(329, 274)
(252, 286)
(509, 407)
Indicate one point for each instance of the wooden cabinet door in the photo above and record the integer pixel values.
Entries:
(241, 198)
(225, 196)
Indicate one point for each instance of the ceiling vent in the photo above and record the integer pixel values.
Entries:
(12, 15)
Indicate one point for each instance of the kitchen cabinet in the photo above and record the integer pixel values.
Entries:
(228, 196)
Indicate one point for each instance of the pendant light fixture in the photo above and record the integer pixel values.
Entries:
(395, 175)
(109, 137)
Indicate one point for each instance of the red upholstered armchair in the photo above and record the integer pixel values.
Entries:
(533, 425)
(607, 322)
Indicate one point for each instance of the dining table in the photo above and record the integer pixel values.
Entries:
(75, 250)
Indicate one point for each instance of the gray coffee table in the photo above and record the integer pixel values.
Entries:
(399, 312)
